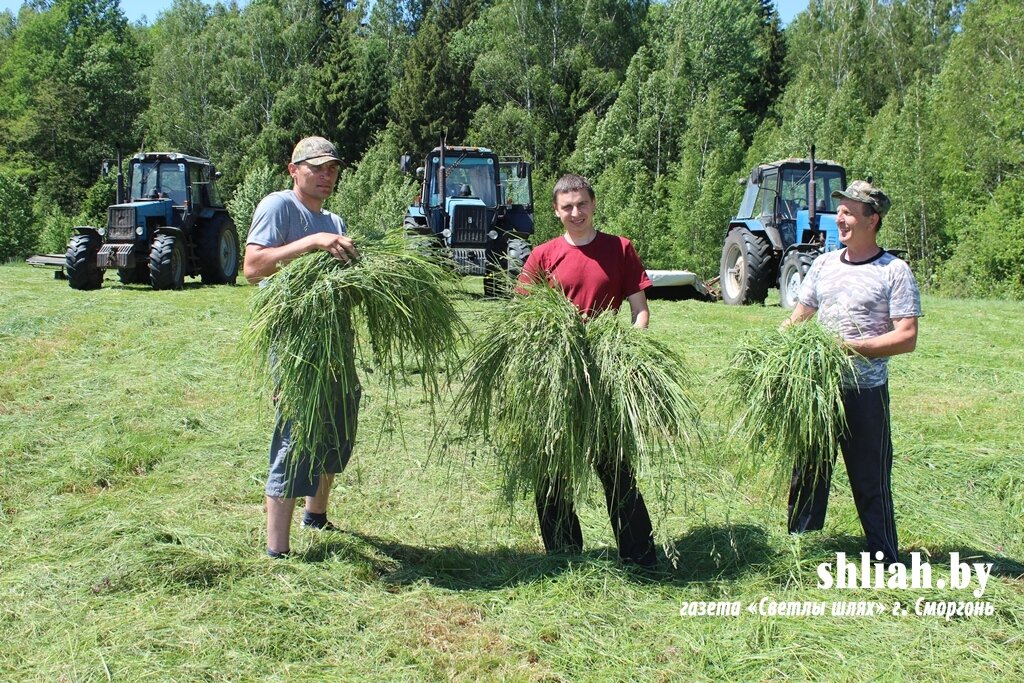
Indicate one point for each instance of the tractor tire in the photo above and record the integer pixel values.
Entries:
(746, 268)
(794, 268)
(218, 253)
(80, 262)
(167, 262)
(134, 276)
(518, 252)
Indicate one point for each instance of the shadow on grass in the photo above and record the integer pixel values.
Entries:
(1001, 565)
(717, 553)
(705, 554)
(451, 567)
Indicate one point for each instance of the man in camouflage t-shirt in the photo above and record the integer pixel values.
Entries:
(871, 299)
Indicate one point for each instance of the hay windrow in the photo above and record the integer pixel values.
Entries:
(308, 318)
(787, 386)
(549, 393)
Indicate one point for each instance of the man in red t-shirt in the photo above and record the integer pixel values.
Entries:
(597, 272)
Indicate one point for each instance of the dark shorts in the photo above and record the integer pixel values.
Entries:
(292, 477)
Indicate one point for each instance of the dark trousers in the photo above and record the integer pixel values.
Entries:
(631, 524)
(867, 451)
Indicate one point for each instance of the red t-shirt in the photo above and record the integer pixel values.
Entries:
(595, 277)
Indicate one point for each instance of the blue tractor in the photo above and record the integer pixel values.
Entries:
(477, 208)
(786, 219)
(168, 222)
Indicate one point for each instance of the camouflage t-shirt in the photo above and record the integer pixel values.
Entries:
(860, 300)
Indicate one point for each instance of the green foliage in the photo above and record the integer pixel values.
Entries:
(552, 393)
(98, 199)
(661, 105)
(373, 196)
(260, 181)
(17, 228)
(55, 230)
(540, 67)
(70, 94)
(433, 98)
(979, 109)
(989, 258)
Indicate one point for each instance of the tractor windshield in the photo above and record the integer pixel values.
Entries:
(159, 180)
(794, 189)
(466, 177)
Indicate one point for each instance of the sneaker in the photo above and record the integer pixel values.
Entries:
(327, 526)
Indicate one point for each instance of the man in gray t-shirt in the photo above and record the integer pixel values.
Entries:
(870, 298)
(286, 225)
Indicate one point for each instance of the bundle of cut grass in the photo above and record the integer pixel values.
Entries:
(550, 394)
(788, 386)
(303, 329)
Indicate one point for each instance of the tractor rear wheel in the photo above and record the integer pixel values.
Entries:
(794, 268)
(80, 261)
(167, 262)
(518, 251)
(745, 272)
(218, 253)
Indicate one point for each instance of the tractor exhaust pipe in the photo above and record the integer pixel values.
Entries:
(120, 179)
(442, 174)
(812, 200)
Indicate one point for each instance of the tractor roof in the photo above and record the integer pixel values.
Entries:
(794, 161)
(460, 148)
(169, 156)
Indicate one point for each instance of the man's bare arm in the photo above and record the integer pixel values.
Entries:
(641, 315)
(261, 262)
(902, 339)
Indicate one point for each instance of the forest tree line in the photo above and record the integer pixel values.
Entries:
(664, 106)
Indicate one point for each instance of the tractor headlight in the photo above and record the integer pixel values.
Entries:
(446, 233)
(139, 231)
(492, 235)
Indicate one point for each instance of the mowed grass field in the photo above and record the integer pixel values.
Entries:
(132, 462)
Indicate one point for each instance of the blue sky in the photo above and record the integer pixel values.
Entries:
(137, 9)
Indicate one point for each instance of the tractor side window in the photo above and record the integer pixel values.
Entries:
(767, 193)
(211, 189)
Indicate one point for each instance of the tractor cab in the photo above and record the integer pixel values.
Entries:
(777, 203)
(787, 217)
(478, 208)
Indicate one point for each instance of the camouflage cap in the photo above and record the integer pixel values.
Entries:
(314, 150)
(865, 193)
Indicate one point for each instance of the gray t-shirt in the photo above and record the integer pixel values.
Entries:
(860, 300)
(280, 218)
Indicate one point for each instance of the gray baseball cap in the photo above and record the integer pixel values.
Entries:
(865, 193)
(315, 151)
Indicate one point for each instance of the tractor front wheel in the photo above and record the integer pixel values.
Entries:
(794, 268)
(745, 272)
(80, 261)
(167, 262)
